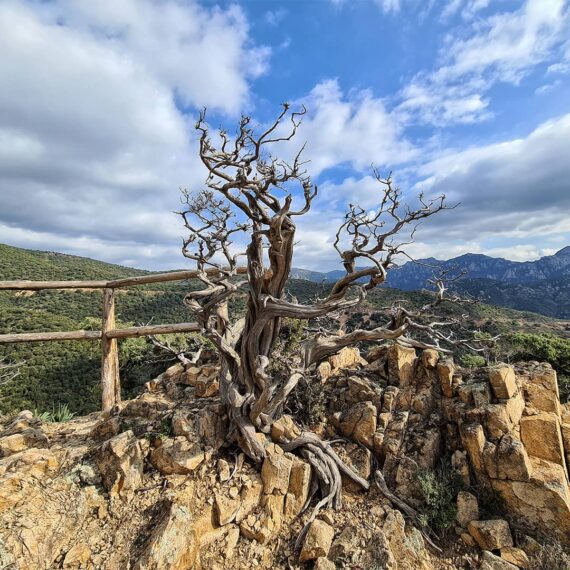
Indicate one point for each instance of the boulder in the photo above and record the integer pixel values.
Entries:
(25, 439)
(347, 357)
(120, 461)
(430, 358)
(541, 390)
(542, 437)
(503, 381)
(77, 556)
(467, 508)
(178, 456)
(515, 556)
(401, 365)
(275, 472)
(445, 371)
(317, 541)
(491, 562)
(491, 534)
(359, 423)
(299, 487)
(173, 544)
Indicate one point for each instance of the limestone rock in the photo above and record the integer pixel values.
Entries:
(275, 473)
(77, 556)
(299, 487)
(120, 461)
(401, 365)
(491, 562)
(445, 371)
(542, 437)
(512, 460)
(284, 429)
(324, 370)
(491, 534)
(25, 439)
(503, 381)
(178, 456)
(430, 358)
(515, 556)
(359, 423)
(344, 544)
(106, 428)
(317, 542)
(467, 508)
(323, 563)
(173, 545)
(473, 438)
(541, 390)
(362, 390)
(347, 357)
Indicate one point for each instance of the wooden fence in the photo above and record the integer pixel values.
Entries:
(109, 334)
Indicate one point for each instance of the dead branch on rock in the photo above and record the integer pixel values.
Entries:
(9, 371)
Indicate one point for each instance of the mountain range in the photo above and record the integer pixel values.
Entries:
(541, 286)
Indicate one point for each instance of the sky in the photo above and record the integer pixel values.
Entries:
(471, 98)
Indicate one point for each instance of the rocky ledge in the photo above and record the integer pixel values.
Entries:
(155, 485)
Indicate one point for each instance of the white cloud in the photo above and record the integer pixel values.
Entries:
(354, 129)
(501, 48)
(93, 146)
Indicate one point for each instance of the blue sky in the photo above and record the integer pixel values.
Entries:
(468, 97)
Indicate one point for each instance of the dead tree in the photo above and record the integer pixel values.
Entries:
(9, 371)
(254, 194)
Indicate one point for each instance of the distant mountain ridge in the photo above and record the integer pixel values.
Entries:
(413, 275)
(541, 286)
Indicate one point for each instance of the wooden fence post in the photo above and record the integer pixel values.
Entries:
(110, 381)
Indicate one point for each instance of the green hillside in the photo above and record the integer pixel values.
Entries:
(68, 372)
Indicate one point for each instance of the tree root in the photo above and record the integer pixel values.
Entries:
(404, 507)
(328, 468)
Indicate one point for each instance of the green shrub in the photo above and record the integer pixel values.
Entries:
(472, 360)
(438, 492)
(59, 413)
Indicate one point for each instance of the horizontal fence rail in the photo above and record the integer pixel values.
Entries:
(109, 334)
(113, 284)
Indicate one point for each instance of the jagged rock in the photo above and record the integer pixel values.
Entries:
(120, 461)
(77, 556)
(275, 472)
(491, 534)
(20, 470)
(224, 471)
(206, 386)
(461, 466)
(541, 390)
(25, 439)
(401, 365)
(359, 423)
(148, 406)
(173, 545)
(542, 437)
(430, 358)
(491, 562)
(512, 460)
(178, 456)
(284, 429)
(106, 428)
(467, 508)
(503, 381)
(299, 487)
(473, 437)
(20, 423)
(323, 563)
(347, 357)
(389, 399)
(445, 371)
(515, 556)
(324, 371)
(362, 390)
(344, 544)
(317, 542)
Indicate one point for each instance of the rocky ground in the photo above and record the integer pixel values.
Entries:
(154, 485)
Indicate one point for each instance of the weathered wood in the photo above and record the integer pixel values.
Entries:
(132, 332)
(164, 277)
(39, 285)
(25, 285)
(110, 382)
(49, 336)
